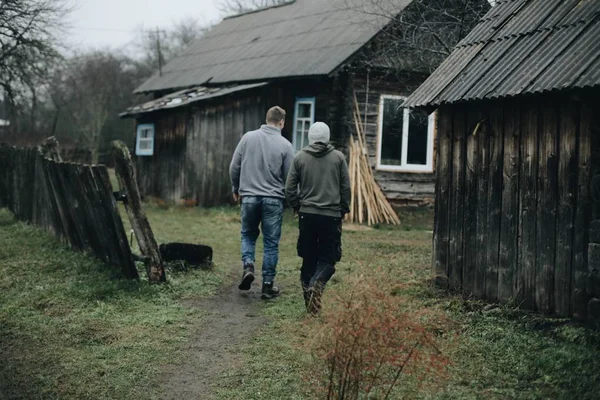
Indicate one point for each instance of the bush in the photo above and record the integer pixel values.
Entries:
(367, 340)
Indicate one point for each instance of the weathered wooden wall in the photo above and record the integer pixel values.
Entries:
(513, 201)
(193, 149)
(194, 145)
(399, 187)
(71, 201)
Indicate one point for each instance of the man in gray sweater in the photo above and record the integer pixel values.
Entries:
(258, 171)
(318, 187)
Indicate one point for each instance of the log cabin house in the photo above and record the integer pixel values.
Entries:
(308, 56)
(518, 164)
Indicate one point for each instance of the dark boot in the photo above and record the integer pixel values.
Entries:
(247, 277)
(269, 291)
(306, 296)
(315, 293)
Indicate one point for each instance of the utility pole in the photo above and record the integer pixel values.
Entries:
(160, 57)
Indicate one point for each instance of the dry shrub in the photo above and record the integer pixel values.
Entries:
(368, 341)
(189, 203)
(156, 202)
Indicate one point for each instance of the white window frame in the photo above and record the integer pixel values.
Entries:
(299, 101)
(404, 165)
(138, 140)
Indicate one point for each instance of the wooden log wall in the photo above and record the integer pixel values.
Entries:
(400, 188)
(71, 201)
(513, 203)
(193, 149)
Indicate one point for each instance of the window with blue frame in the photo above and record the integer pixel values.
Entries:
(145, 140)
(304, 117)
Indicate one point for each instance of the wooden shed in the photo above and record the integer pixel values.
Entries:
(518, 149)
(308, 56)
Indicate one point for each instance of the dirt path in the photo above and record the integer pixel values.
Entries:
(232, 317)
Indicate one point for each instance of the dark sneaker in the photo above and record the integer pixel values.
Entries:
(247, 277)
(314, 294)
(269, 291)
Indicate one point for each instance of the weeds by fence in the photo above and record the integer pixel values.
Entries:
(71, 201)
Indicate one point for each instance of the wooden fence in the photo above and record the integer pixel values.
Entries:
(71, 201)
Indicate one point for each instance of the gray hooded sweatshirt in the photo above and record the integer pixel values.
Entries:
(261, 163)
(318, 182)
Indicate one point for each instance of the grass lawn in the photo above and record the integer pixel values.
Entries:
(70, 329)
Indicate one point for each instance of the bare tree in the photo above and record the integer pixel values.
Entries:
(161, 46)
(28, 47)
(88, 95)
(421, 36)
(232, 7)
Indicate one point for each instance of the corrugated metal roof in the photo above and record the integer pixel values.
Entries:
(185, 97)
(304, 38)
(520, 46)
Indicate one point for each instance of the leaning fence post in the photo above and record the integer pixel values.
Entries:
(133, 205)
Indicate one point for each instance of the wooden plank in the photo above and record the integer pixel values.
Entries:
(456, 256)
(442, 204)
(567, 193)
(120, 250)
(76, 204)
(206, 126)
(137, 216)
(528, 205)
(546, 207)
(482, 177)
(52, 207)
(223, 194)
(63, 204)
(509, 217)
(582, 212)
(470, 201)
(494, 201)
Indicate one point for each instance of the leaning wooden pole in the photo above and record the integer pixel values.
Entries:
(133, 205)
(368, 203)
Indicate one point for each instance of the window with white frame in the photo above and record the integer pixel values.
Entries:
(304, 117)
(145, 140)
(405, 137)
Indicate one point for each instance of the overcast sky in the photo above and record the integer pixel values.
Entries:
(113, 23)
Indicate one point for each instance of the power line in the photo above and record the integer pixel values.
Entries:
(149, 31)
(81, 28)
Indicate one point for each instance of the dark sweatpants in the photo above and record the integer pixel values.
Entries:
(320, 246)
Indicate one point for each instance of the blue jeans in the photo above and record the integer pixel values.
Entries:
(268, 213)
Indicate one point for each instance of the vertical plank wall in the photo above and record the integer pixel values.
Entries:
(513, 202)
(193, 148)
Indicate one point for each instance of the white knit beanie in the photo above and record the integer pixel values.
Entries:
(319, 132)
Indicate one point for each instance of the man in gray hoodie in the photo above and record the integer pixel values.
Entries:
(258, 171)
(318, 187)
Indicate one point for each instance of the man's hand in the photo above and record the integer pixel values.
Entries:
(236, 197)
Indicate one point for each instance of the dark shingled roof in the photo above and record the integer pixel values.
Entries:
(520, 47)
(304, 38)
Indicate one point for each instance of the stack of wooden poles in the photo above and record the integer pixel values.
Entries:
(368, 202)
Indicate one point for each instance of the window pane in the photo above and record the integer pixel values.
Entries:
(298, 138)
(145, 144)
(304, 110)
(305, 134)
(417, 137)
(391, 136)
